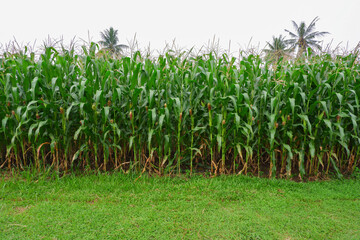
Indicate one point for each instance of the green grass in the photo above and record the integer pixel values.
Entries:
(125, 207)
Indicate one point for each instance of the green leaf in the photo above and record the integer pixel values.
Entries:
(312, 149)
(219, 141)
(37, 132)
(333, 157)
(33, 88)
(161, 120)
(30, 132)
(328, 124)
(131, 142)
(153, 115)
(288, 148)
(197, 151)
(78, 131)
(4, 122)
(106, 113)
(340, 97)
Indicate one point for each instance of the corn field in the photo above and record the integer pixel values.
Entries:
(177, 114)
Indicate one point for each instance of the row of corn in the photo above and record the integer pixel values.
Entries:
(176, 114)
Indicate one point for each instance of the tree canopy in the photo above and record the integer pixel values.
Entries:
(305, 36)
(109, 41)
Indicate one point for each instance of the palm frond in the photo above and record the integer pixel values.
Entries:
(291, 34)
(311, 27)
(295, 24)
(122, 46)
(315, 44)
(316, 34)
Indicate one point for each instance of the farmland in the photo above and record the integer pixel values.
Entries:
(180, 114)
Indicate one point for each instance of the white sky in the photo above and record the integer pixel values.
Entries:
(190, 22)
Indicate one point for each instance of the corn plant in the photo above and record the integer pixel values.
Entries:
(67, 111)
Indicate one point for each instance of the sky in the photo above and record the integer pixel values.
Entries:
(192, 23)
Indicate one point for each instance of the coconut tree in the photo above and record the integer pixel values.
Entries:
(277, 49)
(305, 36)
(109, 41)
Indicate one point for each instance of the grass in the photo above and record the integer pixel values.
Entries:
(117, 206)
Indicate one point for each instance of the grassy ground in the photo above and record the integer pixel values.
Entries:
(122, 207)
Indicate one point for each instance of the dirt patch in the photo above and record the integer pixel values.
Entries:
(20, 210)
(6, 176)
(92, 202)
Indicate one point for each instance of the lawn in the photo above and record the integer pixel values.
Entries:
(118, 206)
